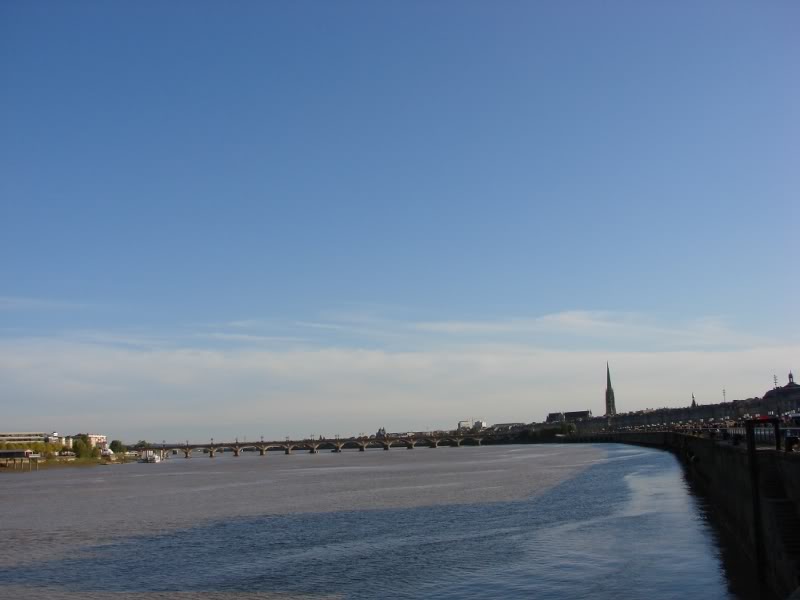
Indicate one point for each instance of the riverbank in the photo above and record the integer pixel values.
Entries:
(764, 518)
(58, 463)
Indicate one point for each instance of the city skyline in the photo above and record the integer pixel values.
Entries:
(286, 219)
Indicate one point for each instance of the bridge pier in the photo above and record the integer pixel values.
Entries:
(362, 448)
(211, 453)
(313, 450)
(236, 451)
(288, 451)
(261, 451)
(187, 453)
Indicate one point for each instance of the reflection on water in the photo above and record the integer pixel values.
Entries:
(495, 522)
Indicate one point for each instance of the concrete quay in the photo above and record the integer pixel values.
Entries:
(758, 502)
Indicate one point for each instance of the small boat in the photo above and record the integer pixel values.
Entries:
(148, 456)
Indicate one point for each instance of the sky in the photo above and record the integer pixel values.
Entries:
(296, 218)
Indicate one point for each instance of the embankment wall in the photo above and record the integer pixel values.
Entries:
(722, 471)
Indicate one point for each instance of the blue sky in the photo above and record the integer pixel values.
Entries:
(315, 216)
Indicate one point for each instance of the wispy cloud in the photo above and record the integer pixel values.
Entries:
(365, 328)
(326, 326)
(613, 327)
(249, 338)
(362, 372)
(133, 339)
(281, 390)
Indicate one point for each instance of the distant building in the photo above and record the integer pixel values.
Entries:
(96, 440)
(557, 417)
(504, 427)
(30, 437)
(779, 401)
(577, 415)
(472, 426)
(789, 392)
(611, 406)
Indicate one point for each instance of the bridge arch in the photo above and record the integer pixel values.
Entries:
(358, 444)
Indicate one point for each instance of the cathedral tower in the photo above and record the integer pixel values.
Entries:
(611, 407)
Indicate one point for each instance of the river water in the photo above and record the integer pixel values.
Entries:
(534, 521)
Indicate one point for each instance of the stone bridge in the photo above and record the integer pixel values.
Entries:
(315, 446)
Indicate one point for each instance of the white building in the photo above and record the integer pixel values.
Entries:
(30, 437)
(97, 441)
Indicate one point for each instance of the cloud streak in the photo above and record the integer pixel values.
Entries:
(352, 375)
(601, 325)
(192, 392)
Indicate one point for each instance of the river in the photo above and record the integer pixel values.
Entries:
(533, 521)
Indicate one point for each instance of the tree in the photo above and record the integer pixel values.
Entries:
(117, 446)
(141, 444)
(81, 448)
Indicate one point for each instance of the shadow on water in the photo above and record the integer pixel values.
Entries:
(739, 568)
(627, 527)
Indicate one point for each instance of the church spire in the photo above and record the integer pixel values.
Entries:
(611, 408)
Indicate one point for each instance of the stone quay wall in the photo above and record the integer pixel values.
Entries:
(722, 472)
